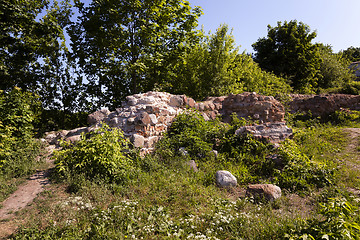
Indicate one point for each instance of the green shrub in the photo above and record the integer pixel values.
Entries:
(18, 150)
(104, 156)
(338, 221)
(299, 171)
(301, 119)
(53, 120)
(352, 87)
(191, 132)
(344, 117)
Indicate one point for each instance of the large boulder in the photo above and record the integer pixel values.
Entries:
(192, 165)
(53, 138)
(225, 179)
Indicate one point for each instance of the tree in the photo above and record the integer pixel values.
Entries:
(35, 57)
(206, 69)
(352, 54)
(334, 69)
(287, 51)
(214, 67)
(124, 46)
(23, 41)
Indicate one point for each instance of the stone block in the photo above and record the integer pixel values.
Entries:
(191, 102)
(131, 100)
(143, 119)
(147, 100)
(73, 139)
(272, 132)
(192, 165)
(97, 116)
(138, 140)
(153, 119)
(151, 141)
(176, 101)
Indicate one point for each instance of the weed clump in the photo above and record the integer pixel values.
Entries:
(104, 157)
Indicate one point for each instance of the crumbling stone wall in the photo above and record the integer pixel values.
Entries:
(145, 117)
(322, 105)
(262, 108)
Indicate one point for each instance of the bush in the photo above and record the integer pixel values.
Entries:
(53, 120)
(191, 132)
(18, 150)
(344, 117)
(104, 156)
(352, 87)
(338, 221)
(299, 171)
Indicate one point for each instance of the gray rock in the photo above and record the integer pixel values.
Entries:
(98, 116)
(51, 137)
(138, 140)
(216, 153)
(225, 179)
(77, 131)
(147, 100)
(192, 165)
(131, 121)
(176, 101)
(131, 100)
(153, 119)
(205, 116)
(269, 192)
(151, 141)
(114, 122)
(73, 139)
(143, 119)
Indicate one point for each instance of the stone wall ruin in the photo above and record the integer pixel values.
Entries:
(145, 117)
(324, 104)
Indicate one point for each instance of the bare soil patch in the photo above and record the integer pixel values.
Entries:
(22, 197)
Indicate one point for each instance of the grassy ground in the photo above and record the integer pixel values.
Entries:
(170, 201)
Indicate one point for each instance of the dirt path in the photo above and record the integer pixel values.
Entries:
(354, 144)
(22, 197)
(354, 134)
(353, 150)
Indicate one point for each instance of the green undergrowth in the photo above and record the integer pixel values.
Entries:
(18, 149)
(250, 160)
(102, 156)
(113, 193)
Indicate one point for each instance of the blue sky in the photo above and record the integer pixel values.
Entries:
(337, 22)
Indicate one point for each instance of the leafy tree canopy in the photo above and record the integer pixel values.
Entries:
(119, 43)
(24, 40)
(334, 69)
(352, 54)
(287, 50)
(214, 67)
